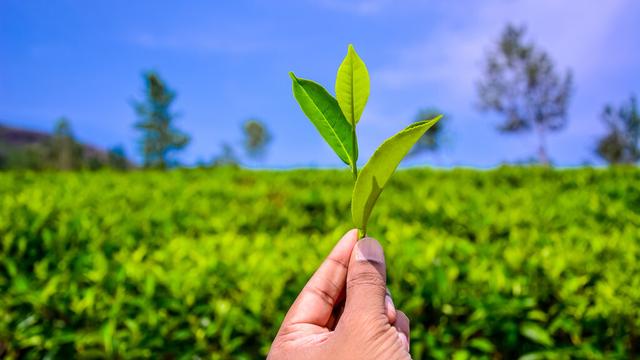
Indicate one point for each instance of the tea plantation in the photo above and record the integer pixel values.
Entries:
(502, 264)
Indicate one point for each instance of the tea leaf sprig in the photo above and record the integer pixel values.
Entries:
(336, 120)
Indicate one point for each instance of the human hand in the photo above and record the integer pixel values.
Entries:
(369, 327)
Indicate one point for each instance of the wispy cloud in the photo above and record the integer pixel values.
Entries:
(356, 7)
(576, 33)
(590, 38)
(447, 62)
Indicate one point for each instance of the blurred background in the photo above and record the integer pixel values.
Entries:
(228, 62)
(163, 195)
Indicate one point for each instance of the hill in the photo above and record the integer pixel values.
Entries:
(15, 138)
(25, 148)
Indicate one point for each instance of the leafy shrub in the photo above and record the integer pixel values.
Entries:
(204, 263)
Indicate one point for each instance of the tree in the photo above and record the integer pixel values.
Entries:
(5, 162)
(159, 136)
(31, 157)
(226, 158)
(622, 144)
(256, 138)
(431, 141)
(521, 83)
(16, 153)
(64, 152)
(117, 158)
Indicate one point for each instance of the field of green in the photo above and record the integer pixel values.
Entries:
(501, 264)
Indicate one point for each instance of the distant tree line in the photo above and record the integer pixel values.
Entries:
(256, 139)
(520, 83)
(159, 140)
(621, 145)
(26, 150)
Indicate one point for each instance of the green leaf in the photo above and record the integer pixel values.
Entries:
(352, 86)
(380, 167)
(536, 333)
(541, 355)
(482, 344)
(461, 355)
(325, 114)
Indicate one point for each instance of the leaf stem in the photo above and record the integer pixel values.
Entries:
(354, 165)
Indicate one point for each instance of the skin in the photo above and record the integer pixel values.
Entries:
(345, 311)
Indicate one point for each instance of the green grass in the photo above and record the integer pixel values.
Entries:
(492, 265)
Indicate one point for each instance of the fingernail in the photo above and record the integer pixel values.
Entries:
(368, 249)
(404, 340)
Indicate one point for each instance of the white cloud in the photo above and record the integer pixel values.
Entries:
(446, 62)
(575, 32)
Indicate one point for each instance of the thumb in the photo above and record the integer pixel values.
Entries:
(366, 279)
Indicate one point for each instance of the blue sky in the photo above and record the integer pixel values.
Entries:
(228, 60)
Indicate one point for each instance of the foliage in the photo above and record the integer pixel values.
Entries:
(227, 157)
(352, 86)
(204, 263)
(117, 158)
(336, 120)
(622, 144)
(521, 83)
(65, 152)
(28, 157)
(159, 136)
(256, 138)
(432, 140)
(325, 114)
(378, 170)
(22, 149)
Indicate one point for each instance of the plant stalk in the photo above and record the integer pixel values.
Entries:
(354, 166)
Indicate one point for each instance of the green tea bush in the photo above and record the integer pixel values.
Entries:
(204, 263)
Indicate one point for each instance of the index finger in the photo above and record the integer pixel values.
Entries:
(317, 299)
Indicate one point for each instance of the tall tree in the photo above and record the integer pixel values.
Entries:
(256, 138)
(622, 143)
(156, 121)
(521, 83)
(432, 140)
(64, 152)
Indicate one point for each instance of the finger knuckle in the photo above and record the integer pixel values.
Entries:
(366, 278)
(322, 294)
